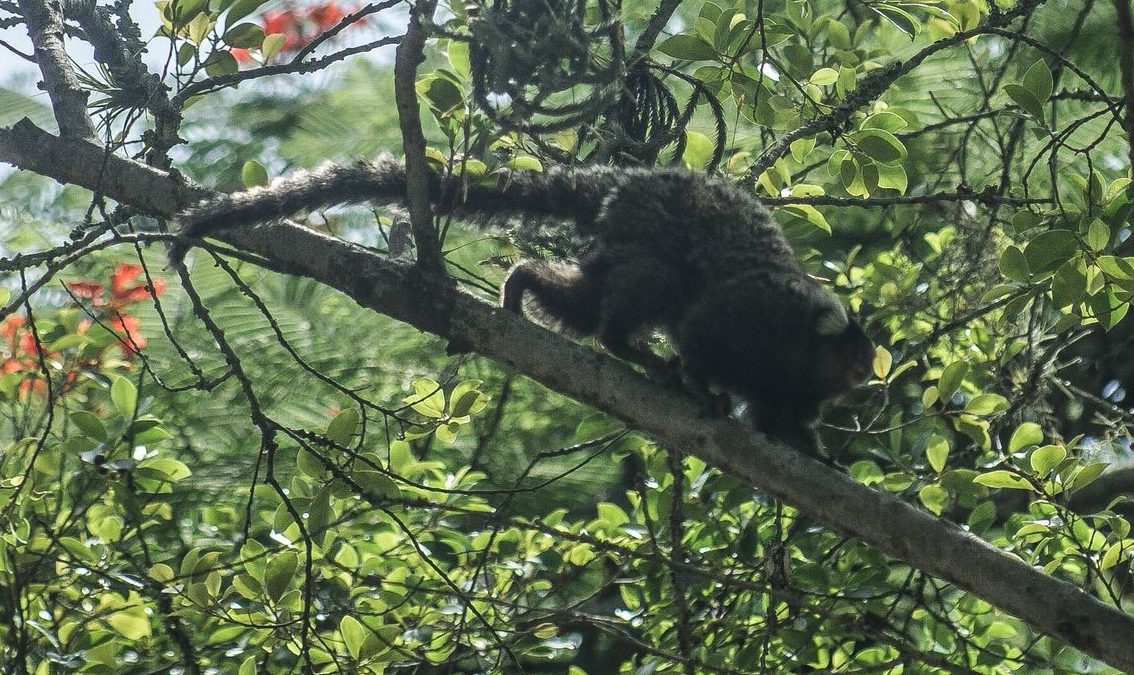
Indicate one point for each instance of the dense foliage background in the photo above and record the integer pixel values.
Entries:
(228, 469)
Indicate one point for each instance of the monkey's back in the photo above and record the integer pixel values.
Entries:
(698, 223)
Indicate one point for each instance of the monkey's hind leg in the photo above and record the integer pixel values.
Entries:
(566, 294)
(644, 293)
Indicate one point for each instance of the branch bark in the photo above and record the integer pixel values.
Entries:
(409, 56)
(68, 98)
(433, 304)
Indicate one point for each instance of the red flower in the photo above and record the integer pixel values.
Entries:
(19, 350)
(86, 289)
(326, 16)
(121, 294)
(287, 22)
(299, 27)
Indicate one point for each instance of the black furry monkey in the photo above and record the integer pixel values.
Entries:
(673, 250)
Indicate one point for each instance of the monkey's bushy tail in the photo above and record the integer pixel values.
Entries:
(564, 192)
(327, 185)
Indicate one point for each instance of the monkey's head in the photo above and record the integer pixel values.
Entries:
(843, 355)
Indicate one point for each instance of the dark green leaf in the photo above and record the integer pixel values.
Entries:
(1049, 250)
(687, 48)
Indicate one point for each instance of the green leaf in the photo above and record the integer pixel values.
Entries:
(1069, 285)
(1038, 81)
(221, 63)
(354, 633)
(1087, 475)
(1112, 555)
(88, 424)
(899, 18)
(698, 150)
(1048, 250)
(881, 146)
(458, 55)
(893, 176)
(272, 45)
(838, 35)
(440, 92)
(428, 398)
(253, 174)
(467, 403)
(1046, 458)
(132, 622)
(341, 429)
(524, 163)
(882, 363)
(162, 573)
(198, 28)
(124, 396)
(687, 48)
(934, 497)
(248, 667)
(164, 469)
(244, 36)
(1098, 235)
(545, 630)
(810, 214)
(377, 483)
(241, 9)
(950, 380)
(1117, 268)
(1026, 100)
(886, 121)
(1028, 433)
(76, 548)
(824, 76)
(801, 147)
(986, 404)
(1014, 265)
(937, 452)
(848, 81)
(1002, 479)
(279, 572)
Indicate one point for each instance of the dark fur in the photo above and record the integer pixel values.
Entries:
(676, 251)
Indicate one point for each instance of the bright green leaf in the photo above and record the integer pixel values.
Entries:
(1028, 433)
(253, 174)
(950, 380)
(934, 497)
(937, 452)
(132, 623)
(354, 633)
(1046, 458)
(124, 395)
(1003, 479)
(986, 404)
(824, 76)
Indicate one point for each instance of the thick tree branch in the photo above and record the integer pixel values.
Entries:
(68, 98)
(409, 56)
(431, 304)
